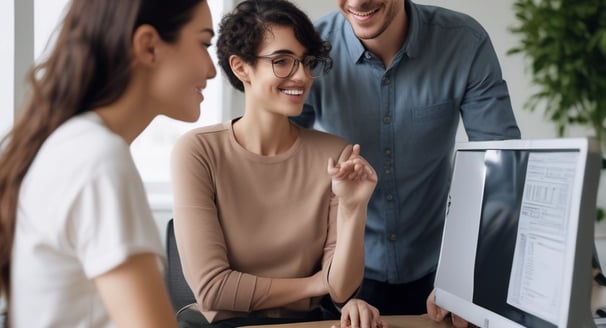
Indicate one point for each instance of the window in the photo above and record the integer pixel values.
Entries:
(151, 150)
(7, 26)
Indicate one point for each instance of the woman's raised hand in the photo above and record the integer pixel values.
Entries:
(353, 179)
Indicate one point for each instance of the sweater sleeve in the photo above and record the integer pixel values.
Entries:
(331, 242)
(200, 238)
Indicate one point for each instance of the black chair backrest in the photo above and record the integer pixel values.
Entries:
(178, 290)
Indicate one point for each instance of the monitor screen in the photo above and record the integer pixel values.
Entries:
(518, 236)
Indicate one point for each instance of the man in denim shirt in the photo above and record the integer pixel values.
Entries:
(402, 76)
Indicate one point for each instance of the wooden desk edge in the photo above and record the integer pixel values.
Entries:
(394, 321)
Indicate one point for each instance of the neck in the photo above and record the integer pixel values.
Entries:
(266, 135)
(127, 116)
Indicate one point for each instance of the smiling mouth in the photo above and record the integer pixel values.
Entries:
(363, 13)
(292, 92)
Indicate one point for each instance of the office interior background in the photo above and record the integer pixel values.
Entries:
(27, 26)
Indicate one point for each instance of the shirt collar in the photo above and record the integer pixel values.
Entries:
(354, 45)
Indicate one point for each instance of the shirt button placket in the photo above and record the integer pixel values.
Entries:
(388, 161)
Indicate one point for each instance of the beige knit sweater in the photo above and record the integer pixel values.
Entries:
(242, 219)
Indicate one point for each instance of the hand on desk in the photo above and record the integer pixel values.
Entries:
(358, 314)
(437, 313)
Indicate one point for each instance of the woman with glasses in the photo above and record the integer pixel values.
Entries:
(269, 217)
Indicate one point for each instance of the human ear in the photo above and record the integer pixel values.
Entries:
(239, 68)
(145, 45)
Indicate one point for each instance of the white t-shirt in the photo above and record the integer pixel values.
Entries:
(82, 211)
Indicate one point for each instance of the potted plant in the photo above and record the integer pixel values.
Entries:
(565, 43)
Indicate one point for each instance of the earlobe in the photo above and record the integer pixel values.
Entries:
(239, 68)
(145, 44)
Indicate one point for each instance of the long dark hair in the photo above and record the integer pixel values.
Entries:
(241, 32)
(88, 67)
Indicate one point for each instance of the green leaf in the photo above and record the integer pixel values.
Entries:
(601, 36)
(564, 42)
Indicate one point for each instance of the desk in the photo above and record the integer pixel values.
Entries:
(393, 321)
(414, 321)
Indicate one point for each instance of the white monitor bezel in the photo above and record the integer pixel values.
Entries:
(586, 148)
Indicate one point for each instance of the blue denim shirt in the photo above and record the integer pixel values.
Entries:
(405, 118)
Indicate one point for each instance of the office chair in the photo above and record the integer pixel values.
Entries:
(178, 290)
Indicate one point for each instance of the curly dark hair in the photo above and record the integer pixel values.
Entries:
(241, 32)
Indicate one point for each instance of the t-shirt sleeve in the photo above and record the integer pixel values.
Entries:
(111, 218)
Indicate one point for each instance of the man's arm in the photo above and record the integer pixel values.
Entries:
(486, 107)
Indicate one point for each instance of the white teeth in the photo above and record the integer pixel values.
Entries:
(363, 14)
(292, 92)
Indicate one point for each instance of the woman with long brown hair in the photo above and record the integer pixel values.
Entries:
(78, 244)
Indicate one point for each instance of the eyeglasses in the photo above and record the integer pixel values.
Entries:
(285, 65)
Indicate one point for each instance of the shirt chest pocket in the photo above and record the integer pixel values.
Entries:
(435, 124)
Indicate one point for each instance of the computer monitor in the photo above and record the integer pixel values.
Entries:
(518, 234)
